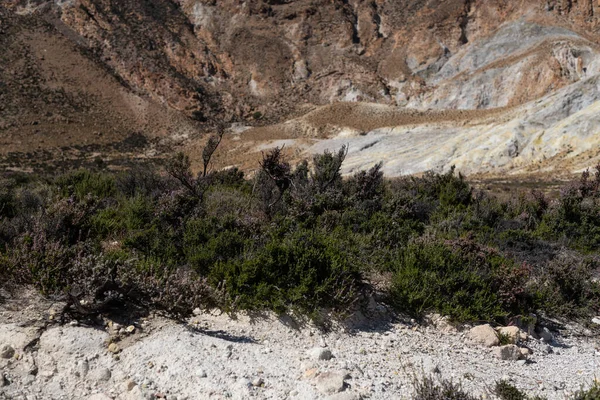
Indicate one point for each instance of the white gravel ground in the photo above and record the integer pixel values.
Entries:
(216, 357)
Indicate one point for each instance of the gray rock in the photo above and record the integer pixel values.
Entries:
(509, 352)
(129, 385)
(547, 335)
(7, 351)
(320, 353)
(82, 368)
(330, 382)
(484, 335)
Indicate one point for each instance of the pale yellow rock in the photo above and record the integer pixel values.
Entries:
(512, 332)
(484, 335)
(114, 348)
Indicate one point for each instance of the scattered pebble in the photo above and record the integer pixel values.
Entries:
(320, 353)
(7, 351)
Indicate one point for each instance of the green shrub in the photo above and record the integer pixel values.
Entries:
(567, 288)
(82, 183)
(305, 271)
(506, 391)
(592, 393)
(459, 279)
(305, 238)
(208, 241)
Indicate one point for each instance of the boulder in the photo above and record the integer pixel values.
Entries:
(510, 352)
(330, 382)
(512, 332)
(484, 335)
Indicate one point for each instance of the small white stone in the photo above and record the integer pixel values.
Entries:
(83, 367)
(201, 373)
(258, 382)
(320, 353)
(100, 375)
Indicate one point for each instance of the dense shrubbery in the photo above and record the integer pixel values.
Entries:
(300, 238)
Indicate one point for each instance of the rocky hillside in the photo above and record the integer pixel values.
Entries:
(142, 65)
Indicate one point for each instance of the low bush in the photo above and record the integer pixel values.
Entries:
(429, 389)
(305, 271)
(302, 238)
(460, 279)
(593, 393)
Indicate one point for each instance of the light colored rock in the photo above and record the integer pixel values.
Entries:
(512, 332)
(510, 352)
(258, 382)
(16, 336)
(201, 373)
(82, 368)
(484, 335)
(345, 396)
(330, 382)
(7, 351)
(114, 348)
(134, 394)
(130, 329)
(442, 323)
(525, 351)
(99, 396)
(596, 320)
(310, 373)
(320, 353)
(100, 375)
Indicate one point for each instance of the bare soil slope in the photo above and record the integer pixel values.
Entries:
(92, 73)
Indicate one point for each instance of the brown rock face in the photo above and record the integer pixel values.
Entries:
(204, 56)
(96, 72)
